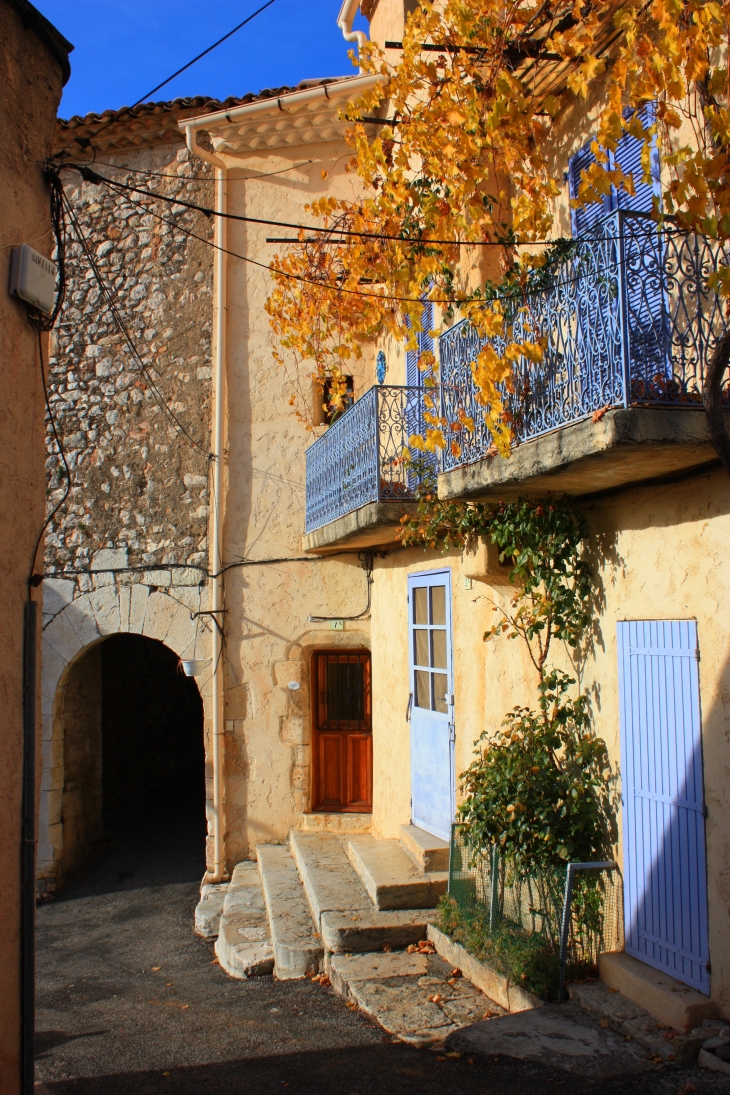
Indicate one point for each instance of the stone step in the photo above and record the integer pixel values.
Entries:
(340, 908)
(336, 823)
(391, 878)
(209, 908)
(297, 945)
(430, 853)
(614, 1011)
(359, 931)
(244, 945)
(662, 996)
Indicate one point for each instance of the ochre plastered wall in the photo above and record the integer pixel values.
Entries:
(31, 78)
(658, 552)
(269, 638)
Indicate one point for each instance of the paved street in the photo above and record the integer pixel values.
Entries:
(130, 1001)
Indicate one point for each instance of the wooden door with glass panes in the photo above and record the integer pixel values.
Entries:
(342, 747)
(431, 704)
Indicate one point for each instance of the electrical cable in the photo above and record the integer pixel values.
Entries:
(203, 54)
(367, 563)
(33, 578)
(510, 298)
(189, 64)
(91, 176)
(121, 325)
(195, 178)
(150, 568)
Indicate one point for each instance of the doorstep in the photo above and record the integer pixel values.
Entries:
(336, 823)
(667, 999)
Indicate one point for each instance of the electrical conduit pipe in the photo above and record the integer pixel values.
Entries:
(215, 553)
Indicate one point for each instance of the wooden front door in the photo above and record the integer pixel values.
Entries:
(342, 739)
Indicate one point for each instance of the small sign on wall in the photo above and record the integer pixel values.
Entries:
(337, 625)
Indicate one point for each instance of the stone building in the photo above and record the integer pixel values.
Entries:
(131, 407)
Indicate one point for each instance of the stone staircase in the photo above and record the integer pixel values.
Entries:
(326, 894)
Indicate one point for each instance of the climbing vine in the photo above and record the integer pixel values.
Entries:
(468, 170)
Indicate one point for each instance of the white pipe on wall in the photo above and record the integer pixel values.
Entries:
(215, 552)
(346, 18)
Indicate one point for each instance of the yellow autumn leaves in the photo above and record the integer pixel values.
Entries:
(473, 161)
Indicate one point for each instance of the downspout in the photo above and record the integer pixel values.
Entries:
(215, 553)
(346, 18)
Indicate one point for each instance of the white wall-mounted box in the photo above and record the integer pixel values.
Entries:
(33, 278)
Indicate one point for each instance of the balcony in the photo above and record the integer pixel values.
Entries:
(358, 485)
(628, 325)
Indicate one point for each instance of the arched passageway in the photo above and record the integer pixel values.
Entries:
(133, 750)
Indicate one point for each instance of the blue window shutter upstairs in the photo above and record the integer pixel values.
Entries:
(628, 157)
(665, 873)
(583, 219)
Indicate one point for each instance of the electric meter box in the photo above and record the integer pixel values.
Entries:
(33, 278)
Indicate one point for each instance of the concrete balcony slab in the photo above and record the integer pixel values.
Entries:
(625, 446)
(374, 525)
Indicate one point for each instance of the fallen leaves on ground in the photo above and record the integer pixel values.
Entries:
(424, 947)
(323, 980)
(598, 415)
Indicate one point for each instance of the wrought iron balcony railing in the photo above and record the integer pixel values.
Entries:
(628, 320)
(360, 459)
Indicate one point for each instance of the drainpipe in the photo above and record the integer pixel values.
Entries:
(215, 553)
(346, 18)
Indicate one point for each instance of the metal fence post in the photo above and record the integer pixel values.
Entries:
(565, 922)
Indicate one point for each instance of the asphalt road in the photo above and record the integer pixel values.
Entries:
(130, 1002)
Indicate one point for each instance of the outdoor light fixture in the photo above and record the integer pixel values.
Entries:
(193, 667)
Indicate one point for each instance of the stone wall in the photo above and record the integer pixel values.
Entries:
(139, 488)
(138, 483)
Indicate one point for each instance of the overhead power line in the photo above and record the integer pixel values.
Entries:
(203, 54)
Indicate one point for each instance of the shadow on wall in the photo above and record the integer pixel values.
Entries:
(132, 727)
(673, 858)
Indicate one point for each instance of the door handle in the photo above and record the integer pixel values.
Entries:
(452, 732)
(408, 707)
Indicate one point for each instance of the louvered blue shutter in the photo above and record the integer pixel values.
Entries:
(583, 219)
(628, 157)
(665, 874)
(414, 376)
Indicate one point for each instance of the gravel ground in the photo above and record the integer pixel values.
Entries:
(131, 1001)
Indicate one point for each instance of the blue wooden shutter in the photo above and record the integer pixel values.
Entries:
(582, 220)
(414, 376)
(628, 157)
(665, 875)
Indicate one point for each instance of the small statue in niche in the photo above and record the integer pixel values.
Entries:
(381, 367)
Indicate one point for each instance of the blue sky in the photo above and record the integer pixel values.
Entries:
(125, 47)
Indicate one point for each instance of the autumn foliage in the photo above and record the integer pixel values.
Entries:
(459, 191)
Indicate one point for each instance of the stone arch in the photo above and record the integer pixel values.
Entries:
(75, 623)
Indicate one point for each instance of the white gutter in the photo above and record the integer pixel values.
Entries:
(215, 553)
(346, 18)
(349, 87)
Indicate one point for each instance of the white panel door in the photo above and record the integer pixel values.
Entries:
(432, 710)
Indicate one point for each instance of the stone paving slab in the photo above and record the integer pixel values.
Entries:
(362, 930)
(417, 998)
(430, 853)
(347, 968)
(559, 1035)
(297, 945)
(391, 878)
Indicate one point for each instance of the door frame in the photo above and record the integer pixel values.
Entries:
(314, 717)
(413, 577)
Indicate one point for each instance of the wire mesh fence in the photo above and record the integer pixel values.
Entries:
(515, 920)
